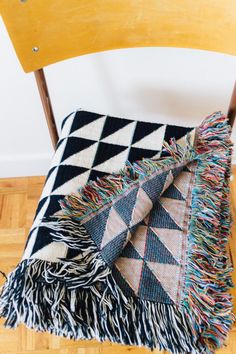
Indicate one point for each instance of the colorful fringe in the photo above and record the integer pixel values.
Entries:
(80, 299)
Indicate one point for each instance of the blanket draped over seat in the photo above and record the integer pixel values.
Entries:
(151, 242)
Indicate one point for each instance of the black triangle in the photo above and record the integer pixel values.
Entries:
(50, 172)
(173, 193)
(126, 289)
(125, 205)
(175, 131)
(40, 205)
(155, 250)
(130, 252)
(151, 289)
(75, 145)
(96, 226)
(65, 119)
(106, 151)
(154, 186)
(65, 173)
(113, 249)
(143, 129)
(43, 239)
(112, 124)
(94, 174)
(53, 205)
(82, 118)
(138, 153)
(160, 218)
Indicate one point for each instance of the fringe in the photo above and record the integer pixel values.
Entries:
(79, 298)
(61, 298)
(208, 273)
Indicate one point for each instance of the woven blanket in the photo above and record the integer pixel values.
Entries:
(136, 254)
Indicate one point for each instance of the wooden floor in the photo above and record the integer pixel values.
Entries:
(18, 201)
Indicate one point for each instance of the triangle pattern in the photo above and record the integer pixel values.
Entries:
(157, 252)
(96, 226)
(75, 145)
(182, 182)
(113, 249)
(175, 208)
(154, 186)
(150, 288)
(126, 288)
(115, 225)
(94, 174)
(72, 185)
(160, 218)
(83, 118)
(138, 240)
(111, 164)
(139, 153)
(93, 132)
(172, 240)
(130, 252)
(82, 158)
(107, 151)
(142, 207)
(166, 275)
(121, 136)
(125, 205)
(154, 140)
(66, 173)
(172, 192)
(131, 270)
(143, 129)
(175, 131)
(113, 124)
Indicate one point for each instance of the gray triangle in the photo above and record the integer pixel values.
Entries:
(96, 226)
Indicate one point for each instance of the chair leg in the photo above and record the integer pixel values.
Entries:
(232, 107)
(46, 102)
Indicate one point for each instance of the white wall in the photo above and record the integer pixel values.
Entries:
(170, 85)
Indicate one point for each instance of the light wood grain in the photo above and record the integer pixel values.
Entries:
(64, 29)
(18, 202)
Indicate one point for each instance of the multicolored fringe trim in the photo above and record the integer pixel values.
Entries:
(80, 299)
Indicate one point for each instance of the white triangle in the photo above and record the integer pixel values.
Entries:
(82, 158)
(91, 131)
(115, 225)
(175, 208)
(122, 136)
(30, 244)
(114, 164)
(41, 213)
(58, 154)
(67, 126)
(51, 252)
(130, 270)
(152, 141)
(172, 239)
(72, 185)
(47, 189)
(168, 276)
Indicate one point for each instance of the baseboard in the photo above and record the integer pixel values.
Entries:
(24, 165)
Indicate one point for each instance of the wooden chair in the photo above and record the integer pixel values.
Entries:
(45, 32)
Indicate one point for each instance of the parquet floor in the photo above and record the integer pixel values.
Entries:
(18, 201)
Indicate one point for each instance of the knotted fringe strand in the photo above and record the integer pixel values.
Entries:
(80, 300)
(208, 273)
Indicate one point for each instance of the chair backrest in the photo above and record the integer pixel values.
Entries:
(46, 31)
